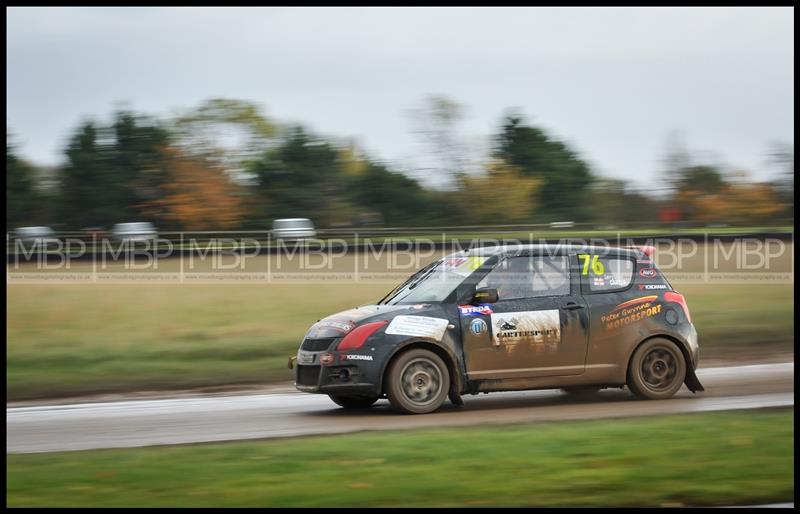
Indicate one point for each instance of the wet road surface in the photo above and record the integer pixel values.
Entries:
(117, 424)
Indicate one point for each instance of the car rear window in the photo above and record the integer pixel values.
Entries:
(609, 273)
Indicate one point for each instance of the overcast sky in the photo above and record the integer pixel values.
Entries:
(614, 82)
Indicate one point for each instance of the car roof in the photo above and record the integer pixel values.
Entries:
(546, 249)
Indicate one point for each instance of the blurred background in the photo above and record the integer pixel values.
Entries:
(207, 118)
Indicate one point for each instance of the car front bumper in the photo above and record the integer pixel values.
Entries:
(347, 379)
(346, 372)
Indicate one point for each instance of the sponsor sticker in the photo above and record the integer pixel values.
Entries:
(341, 326)
(631, 311)
(418, 326)
(478, 326)
(648, 272)
(305, 357)
(652, 286)
(356, 357)
(474, 310)
(526, 327)
(463, 265)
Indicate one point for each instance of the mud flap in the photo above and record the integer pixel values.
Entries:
(692, 382)
(455, 398)
(292, 359)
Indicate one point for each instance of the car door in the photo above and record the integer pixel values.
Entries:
(615, 308)
(536, 328)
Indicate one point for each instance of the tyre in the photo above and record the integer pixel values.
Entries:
(353, 402)
(417, 382)
(657, 369)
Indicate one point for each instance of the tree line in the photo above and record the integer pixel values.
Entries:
(181, 174)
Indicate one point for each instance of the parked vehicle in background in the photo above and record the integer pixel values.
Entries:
(32, 237)
(293, 228)
(134, 232)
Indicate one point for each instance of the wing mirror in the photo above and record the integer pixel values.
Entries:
(485, 295)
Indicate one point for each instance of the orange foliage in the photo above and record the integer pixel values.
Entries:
(738, 203)
(197, 195)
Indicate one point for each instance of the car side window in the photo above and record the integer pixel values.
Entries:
(529, 277)
(608, 273)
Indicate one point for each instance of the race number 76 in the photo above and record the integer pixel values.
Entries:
(597, 266)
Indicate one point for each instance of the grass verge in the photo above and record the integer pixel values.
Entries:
(724, 458)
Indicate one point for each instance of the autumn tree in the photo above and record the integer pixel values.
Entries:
(565, 177)
(742, 203)
(502, 195)
(197, 195)
(229, 132)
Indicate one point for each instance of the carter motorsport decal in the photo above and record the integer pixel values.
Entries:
(418, 326)
(526, 327)
(478, 326)
(631, 311)
(474, 310)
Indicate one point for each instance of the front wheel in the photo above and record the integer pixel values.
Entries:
(353, 402)
(417, 382)
(656, 370)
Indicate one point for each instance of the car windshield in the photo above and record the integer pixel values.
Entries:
(434, 282)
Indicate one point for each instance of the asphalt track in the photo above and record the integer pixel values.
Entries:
(193, 419)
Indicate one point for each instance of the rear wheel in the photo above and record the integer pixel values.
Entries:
(656, 370)
(353, 402)
(417, 382)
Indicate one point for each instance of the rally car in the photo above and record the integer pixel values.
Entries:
(575, 317)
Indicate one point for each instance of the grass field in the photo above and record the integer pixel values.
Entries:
(695, 459)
